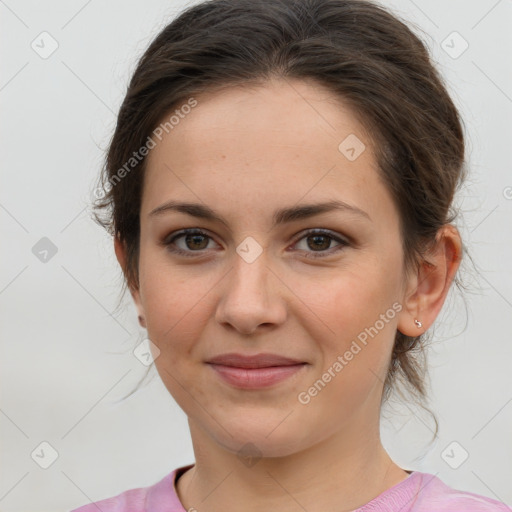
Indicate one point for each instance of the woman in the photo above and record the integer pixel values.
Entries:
(280, 184)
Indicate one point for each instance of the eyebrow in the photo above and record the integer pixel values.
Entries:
(281, 216)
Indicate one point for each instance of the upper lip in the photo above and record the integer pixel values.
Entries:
(263, 360)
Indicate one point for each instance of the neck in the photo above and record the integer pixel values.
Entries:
(342, 472)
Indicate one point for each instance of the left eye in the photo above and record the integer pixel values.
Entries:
(318, 240)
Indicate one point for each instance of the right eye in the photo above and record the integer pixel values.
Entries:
(193, 238)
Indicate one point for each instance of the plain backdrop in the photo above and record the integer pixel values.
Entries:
(66, 357)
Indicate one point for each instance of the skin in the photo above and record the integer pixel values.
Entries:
(246, 152)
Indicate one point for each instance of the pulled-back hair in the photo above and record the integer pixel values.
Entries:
(365, 55)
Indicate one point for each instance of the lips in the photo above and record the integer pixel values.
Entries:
(251, 372)
(264, 360)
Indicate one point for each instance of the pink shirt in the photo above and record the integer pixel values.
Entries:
(419, 492)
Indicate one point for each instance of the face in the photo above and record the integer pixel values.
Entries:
(324, 289)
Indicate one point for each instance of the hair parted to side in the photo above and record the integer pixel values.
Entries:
(365, 55)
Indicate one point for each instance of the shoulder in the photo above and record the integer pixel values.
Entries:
(432, 493)
(160, 497)
(132, 500)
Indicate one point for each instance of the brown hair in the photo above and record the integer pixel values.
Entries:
(365, 55)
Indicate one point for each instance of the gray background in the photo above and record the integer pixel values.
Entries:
(66, 356)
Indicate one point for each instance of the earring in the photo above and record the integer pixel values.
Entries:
(419, 325)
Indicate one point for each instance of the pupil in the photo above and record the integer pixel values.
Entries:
(194, 238)
(326, 242)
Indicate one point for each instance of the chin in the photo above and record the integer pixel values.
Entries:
(252, 437)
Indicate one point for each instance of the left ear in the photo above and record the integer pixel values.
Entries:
(427, 290)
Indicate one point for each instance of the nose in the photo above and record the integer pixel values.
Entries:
(252, 297)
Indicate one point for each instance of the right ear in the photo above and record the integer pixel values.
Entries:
(120, 251)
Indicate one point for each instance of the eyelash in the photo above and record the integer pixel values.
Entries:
(313, 255)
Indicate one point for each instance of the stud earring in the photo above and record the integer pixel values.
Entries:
(419, 325)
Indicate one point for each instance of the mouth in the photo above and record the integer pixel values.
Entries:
(256, 371)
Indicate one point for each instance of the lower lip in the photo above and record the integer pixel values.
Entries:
(254, 378)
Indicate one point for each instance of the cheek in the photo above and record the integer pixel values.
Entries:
(357, 306)
(178, 305)
(175, 315)
(171, 300)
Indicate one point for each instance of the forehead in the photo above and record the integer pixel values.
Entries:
(284, 141)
